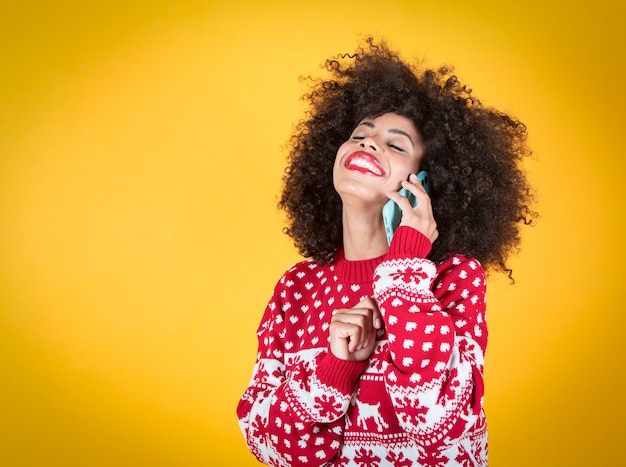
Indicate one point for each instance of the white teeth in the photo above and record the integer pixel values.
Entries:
(366, 165)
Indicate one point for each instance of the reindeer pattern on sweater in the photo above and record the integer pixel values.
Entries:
(417, 401)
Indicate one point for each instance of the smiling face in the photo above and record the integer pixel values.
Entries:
(380, 153)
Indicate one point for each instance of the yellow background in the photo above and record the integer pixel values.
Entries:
(141, 151)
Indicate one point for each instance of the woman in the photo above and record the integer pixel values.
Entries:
(372, 353)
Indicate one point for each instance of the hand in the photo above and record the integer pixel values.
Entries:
(353, 331)
(421, 216)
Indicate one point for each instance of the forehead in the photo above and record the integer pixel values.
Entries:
(389, 120)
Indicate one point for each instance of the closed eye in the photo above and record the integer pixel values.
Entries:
(396, 148)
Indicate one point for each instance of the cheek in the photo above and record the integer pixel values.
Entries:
(418, 158)
(408, 167)
(414, 165)
(337, 164)
(339, 156)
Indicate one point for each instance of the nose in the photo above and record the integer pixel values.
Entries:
(369, 142)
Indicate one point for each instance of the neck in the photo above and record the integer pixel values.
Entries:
(363, 234)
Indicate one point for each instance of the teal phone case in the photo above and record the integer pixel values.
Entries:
(392, 214)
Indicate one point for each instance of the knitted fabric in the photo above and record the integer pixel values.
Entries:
(418, 401)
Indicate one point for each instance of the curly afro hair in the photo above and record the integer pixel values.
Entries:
(480, 195)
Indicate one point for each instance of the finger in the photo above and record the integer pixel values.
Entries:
(377, 319)
(418, 191)
(399, 200)
(339, 341)
(367, 302)
(358, 329)
(370, 303)
(358, 318)
(349, 333)
(403, 202)
(415, 182)
(375, 322)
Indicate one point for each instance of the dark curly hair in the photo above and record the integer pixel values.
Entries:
(480, 195)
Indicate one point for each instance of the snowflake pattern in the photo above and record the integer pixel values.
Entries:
(366, 458)
(418, 401)
(398, 459)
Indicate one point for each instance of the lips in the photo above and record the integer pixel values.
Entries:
(365, 163)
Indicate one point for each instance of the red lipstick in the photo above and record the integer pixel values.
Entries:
(365, 163)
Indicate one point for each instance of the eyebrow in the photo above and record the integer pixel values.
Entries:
(392, 130)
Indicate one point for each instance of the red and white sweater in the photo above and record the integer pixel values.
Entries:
(419, 398)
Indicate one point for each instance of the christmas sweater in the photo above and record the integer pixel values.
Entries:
(417, 401)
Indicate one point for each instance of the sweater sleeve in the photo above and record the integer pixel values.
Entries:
(437, 335)
(292, 412)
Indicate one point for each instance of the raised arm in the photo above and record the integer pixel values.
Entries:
(435, 320)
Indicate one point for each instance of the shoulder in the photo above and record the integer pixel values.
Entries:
(303, 272)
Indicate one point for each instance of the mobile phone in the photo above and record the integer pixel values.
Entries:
(392, 214)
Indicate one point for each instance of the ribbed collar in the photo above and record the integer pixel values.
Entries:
(407, 243)
(356, 272)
